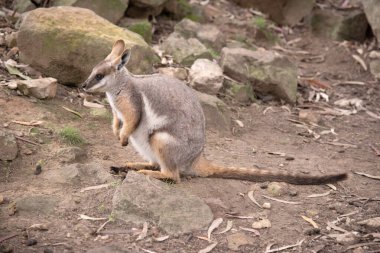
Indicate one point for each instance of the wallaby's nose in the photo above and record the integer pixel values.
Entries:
(84, 84)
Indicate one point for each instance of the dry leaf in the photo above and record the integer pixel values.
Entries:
(250, 196)
(268, 250)
(85, 217)
(335, 227)
(208, 248)
(310, 220)
(256, 232)
(30, 123)
(144, 232)
(161, 238)
(332, 186)
(239, 123)
(264, 223)
(91, 104)
(282, 201)
(367, 175)
(214, 225)
(228, 227)
(373, 115)
(72, 111)
(317, 195)
(95, 187)
(239, 216)
(41, 227)
(360, 61)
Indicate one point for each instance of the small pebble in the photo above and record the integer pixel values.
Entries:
(48, 251)
(293, 193)
(31, 242)
(312, 231)
(38, 169)
(289, 158)
(267, 205)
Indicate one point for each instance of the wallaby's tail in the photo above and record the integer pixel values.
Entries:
(205, 168)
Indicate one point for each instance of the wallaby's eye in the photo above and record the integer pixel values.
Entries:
(99, 77)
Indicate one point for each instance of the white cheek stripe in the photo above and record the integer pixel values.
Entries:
(113, 106)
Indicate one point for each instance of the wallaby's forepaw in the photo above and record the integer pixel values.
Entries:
(123, 141)
(116, 132)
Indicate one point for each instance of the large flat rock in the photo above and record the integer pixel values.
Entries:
(67, 42)
(170, 207)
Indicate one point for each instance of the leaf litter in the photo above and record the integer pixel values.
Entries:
(228, 227)
(214, 225)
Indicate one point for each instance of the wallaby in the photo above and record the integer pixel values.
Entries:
(163, 119)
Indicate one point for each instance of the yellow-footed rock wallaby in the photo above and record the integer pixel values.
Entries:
(164, 121)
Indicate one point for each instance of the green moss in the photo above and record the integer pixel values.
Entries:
(260, 22)
(143, 28)
(71, 136)
(214, 53)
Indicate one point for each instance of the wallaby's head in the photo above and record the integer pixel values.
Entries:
(103, 75)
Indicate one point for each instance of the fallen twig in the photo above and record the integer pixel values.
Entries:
(250, 196)
(284, 247)
(72, 111)
(335, 227)
(255, 231)
(144, 232)
(31, 123)
(310, 220)
(339, 144)
(28, 141)
(367, 175)
(362, 245)
(228, 227)
(317, 195)
(283, 201)
(85, 217)
(377, 152)
(96, 187)
(239, 216)
(2, 239)
(349, 83)
(102, 226)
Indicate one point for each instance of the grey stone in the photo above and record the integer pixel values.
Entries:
(185, 51)
(372, 12)
(208, 34)
(67, 42)
(217, 114)
(243, 93)
(236, 240)
(286, 12)
(8, 146)
(268, 72)
(145, 8)
(40, 88)
(140, 26)
(78, 174)
(179, 9)
(179, 73)
(347, 238)
(340, 25)
(372, 224)
(22, 6)
(169, 207)
(71, 155)
(112, 10)
(148, 3)
(206, 76)
(38, 204)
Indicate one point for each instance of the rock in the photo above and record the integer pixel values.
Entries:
(264, 223)
(78, 174)
(208, 34)
(179, 73)
(40, 88)
(112, 10)
(22, 6)
(373, 224)
(372, 12)
(9, 147)
(140, 26)
(276, 189)
(11, 39)
(37, 205)
(185, 51)
(241, 92)
(108, 249)
(206, 76)
(169, 207)
(285, 12)
(339, 25)
(347, 238)
(145, 8)
(216, 112)
(309, 116)
(179, 9)
(267, 205)
(66, 43)
(71, 155)
(236, 240)
(266, 71)
(374, 64)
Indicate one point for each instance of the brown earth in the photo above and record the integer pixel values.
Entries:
(354, 200)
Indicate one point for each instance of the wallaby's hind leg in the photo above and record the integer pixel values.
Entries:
(160, 143)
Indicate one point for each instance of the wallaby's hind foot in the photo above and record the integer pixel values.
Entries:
(160, 175)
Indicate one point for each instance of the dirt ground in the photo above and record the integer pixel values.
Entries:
(268, 128)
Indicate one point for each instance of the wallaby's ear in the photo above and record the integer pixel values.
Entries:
(122, 60)
(117, 50)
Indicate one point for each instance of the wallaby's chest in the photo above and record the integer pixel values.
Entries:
(111, 101)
